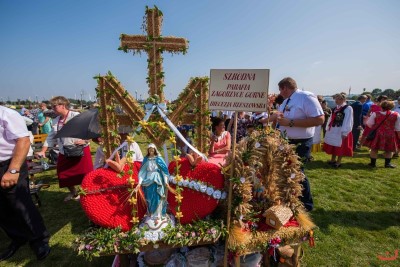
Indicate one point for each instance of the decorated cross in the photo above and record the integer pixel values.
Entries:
(189, 108)
(154, 44)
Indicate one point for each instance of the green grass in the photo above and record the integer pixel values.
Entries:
(357, 213)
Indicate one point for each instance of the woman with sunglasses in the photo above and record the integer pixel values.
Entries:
(70, 170)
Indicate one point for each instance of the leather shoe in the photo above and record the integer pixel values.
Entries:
(390, 166)
(336, 165)
(9, 252)
(42, 252)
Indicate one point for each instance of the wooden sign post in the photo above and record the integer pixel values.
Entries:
(237, 90)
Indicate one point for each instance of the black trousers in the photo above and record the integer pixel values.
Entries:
(356, 136)
(303, 150)
(19, 217)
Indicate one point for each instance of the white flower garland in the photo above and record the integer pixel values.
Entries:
(200, 187)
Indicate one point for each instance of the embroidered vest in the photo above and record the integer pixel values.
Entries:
(338, 116)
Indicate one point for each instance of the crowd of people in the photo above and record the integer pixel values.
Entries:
(302, 117)
(306, 120)
(342, 130)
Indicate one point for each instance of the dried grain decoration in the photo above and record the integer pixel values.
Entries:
(265, 160)
(154, 44)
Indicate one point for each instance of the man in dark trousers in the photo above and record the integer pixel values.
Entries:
(19, 217)
(358, 119)
(298, 115)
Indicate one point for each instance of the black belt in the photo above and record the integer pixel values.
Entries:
(296, 141)
(5, 163)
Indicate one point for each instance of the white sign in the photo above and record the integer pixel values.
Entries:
(239, 90)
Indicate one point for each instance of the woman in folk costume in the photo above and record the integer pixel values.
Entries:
(387, 125)
(375, 107)
(338, 140)
(153, 178)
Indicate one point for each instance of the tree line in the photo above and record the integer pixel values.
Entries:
(390, 93)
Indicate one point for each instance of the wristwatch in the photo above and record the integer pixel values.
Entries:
(13, 171)
(291, 123)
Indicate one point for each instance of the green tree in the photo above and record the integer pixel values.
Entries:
(397, 93)
(376, 92)
(390, 93)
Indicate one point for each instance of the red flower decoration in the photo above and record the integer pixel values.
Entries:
(106, 202)
(196, 205)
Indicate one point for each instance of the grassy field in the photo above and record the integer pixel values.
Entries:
(357, 212)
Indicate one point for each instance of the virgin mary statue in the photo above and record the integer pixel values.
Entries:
(153, 178)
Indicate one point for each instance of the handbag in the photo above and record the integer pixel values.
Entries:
(70, 151)
(73, 151)
(371, 135)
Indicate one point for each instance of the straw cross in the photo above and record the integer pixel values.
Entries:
(154, 44)
(190, 106)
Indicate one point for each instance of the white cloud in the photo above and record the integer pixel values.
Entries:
(315, 63)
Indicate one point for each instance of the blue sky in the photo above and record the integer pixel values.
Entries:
(53, 48)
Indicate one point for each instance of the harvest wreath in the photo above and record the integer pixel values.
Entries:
(266, 180)
(266, 183)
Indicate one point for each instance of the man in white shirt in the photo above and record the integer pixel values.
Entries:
(19, 217)
(298, 115)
